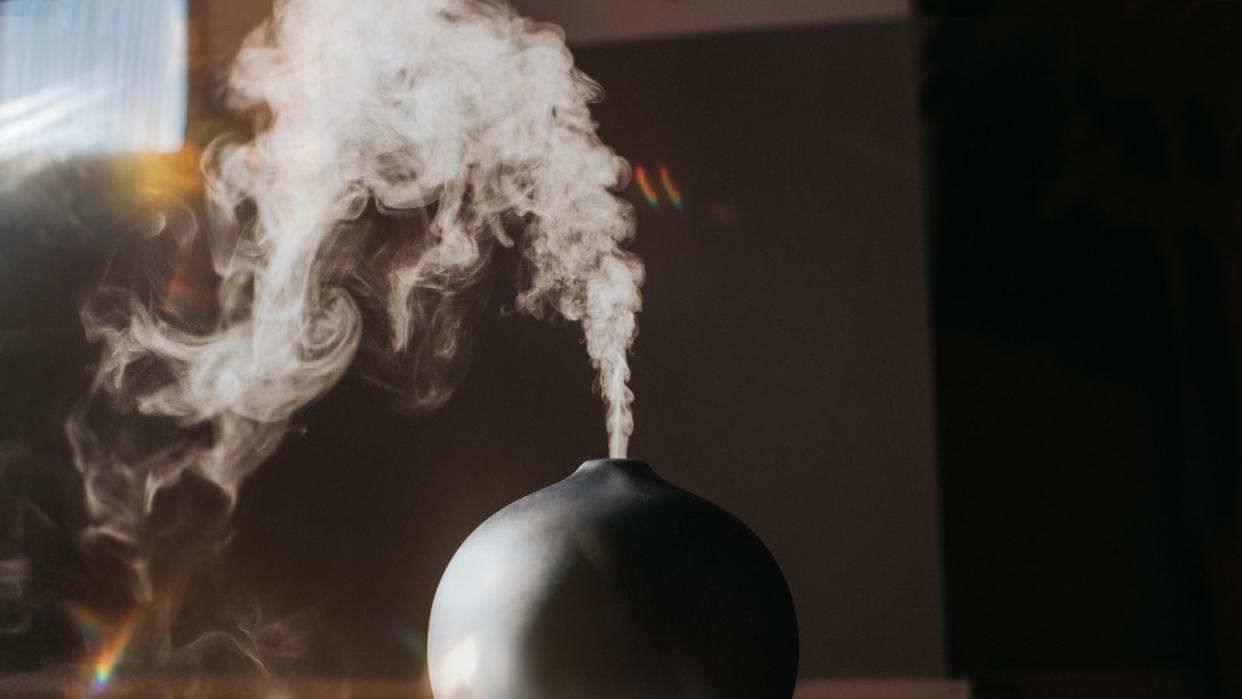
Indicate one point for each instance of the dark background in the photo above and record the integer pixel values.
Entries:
(782, 368)
(1063, 524)
(1083, 238)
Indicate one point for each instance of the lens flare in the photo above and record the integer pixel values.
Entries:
(87, 621)
(188, 290)
(674, 194)
(182, 294)
(408, 638)
(110, 640)
(644, 184)
(111, 652)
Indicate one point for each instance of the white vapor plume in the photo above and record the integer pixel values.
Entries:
(458, 109)
(457, 104)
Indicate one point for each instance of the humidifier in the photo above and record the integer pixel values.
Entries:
(612, 584)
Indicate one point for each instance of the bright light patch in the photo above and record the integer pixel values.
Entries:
(83, 76)
(459, 666)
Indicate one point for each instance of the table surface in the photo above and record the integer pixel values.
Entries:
(71, 687)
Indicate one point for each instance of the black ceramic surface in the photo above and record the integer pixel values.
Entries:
(612, 584)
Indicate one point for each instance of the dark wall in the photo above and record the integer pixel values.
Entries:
(781, 369)
(1084, 179)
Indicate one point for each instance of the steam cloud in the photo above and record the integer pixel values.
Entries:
(459, 108)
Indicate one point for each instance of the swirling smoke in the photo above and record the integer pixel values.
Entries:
(458, 109)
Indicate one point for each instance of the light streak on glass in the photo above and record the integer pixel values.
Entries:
(83, 77)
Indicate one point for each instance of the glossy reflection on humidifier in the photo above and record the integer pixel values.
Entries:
(612, 583)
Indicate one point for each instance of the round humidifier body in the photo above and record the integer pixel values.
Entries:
(612, 584)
